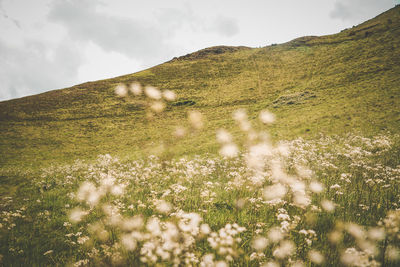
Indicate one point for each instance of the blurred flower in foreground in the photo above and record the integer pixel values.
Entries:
(157, 106)
(179, 132)
(316, 257)
(316, 187)
(169, 95)
(223, 136)
(267, 117)
(152, 92)
(135, 88)
(239, 115)
(260, 243)
(196, 119)
(76, 215)
(121, 90)
(229, 151)
(328, 205)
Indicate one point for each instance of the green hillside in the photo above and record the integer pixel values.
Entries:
(335, 84)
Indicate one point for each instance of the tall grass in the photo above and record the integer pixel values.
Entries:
(331, 201)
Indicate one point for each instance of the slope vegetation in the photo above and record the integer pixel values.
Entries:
(335, 84)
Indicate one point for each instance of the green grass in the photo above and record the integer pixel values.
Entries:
(212, 187)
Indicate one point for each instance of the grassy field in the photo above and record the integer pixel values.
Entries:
(319, 186)
(329, 201)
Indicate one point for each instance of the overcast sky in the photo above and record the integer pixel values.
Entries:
(51, 44)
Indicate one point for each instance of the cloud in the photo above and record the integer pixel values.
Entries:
(133, 37)
(225, 26)
(172, 19)
(358, 10)
(36, 66)
(7, 17)
(147, 40)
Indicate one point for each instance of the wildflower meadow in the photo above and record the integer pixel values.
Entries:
(328, 201)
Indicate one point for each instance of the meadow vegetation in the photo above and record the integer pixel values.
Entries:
(286, 155)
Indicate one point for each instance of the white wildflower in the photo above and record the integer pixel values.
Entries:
(335, 186)
(276, 191)
(88, 192)
(285, 249)
(316, 187)
(82, 239)
(76, 215)
(355, 230)
(271, 264)
(301, 200)
(180, 132)
(275, 235)
(117, 190)
(205, 229)
(229, 151)
(169, 95)
(121, 90)
(152, 92)
(267, 117)
(221, 264)
(135, 88)
(328, 205)
(163, 206)
(223, 136)
(135, 222)
(260, 243)
(316, 257)
(240, 115)
(128, 242)
(157, 106)
(195, 119)
(376, 233)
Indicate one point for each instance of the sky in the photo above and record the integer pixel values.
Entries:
(52, 44)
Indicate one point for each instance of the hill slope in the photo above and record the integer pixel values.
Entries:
(332, 84)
